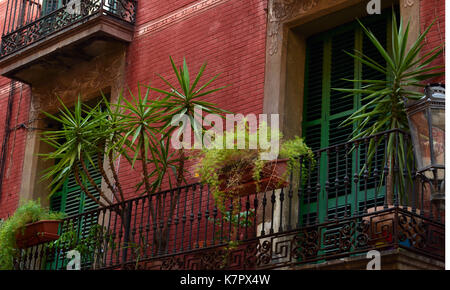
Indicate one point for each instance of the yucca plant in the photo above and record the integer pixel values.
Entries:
(182, 99)
(384, 108)
(82, 131)
(139, 128)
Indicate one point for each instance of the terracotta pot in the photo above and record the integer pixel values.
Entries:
(271, 178)
(37, 233)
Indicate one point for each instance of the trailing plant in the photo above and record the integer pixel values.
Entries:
(384, 108)
(299, 154)
(219, 160)
(28, 212)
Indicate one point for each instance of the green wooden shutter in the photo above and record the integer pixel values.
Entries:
(324, 110)
(72, 201)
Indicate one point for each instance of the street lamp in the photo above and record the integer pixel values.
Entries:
(426, 119)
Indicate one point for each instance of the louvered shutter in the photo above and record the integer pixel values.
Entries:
(73, 201)
(325, 109)
(379, 29)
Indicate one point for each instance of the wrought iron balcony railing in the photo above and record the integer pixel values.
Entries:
(333, 211)
(28, 21)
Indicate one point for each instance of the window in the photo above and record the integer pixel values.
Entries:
(72, 200)
(327, 65)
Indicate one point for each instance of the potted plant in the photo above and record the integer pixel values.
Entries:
(239, 172)
(31, 224)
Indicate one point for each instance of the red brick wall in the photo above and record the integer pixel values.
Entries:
(230, 37)
(16, 146)
(434, 10)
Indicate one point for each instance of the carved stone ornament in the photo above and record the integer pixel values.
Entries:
(281, 10)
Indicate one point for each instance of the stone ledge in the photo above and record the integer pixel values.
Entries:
(395, 259)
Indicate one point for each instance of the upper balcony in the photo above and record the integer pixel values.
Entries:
(42, 35)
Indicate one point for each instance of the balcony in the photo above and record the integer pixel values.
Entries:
(42, 35)
(338, 211)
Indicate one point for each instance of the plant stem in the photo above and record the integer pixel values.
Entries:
(116, 177)
(92, 182)
(88, 193)
(105, 176)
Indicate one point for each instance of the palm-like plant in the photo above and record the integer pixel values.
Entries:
(385, 99)
(138, 128)
(183, 99)
(78, 139)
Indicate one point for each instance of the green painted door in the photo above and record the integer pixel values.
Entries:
(324, 109)
(73, 201)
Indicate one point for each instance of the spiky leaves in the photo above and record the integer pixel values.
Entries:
(384, 99)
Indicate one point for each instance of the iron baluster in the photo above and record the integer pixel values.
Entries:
(386, 171)
(169, 224)
(199, 215)
(272, 200)
(396, 185)
(255, 207)
(309, 193)
(176, 221)
(300, 192)
(318, 188)
(264, 203)
(376, 174)
(327, 184)
(207, 217)
(336, 185)
(356, 178)
(280, 229)
(366, 173)
(184, 218)
(346, 180)
(191, 218)
(215, 212)
(247, 209)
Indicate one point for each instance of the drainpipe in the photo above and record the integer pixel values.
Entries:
(6, 134)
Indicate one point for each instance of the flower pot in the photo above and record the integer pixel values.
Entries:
(272, 177)
(37, 233)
